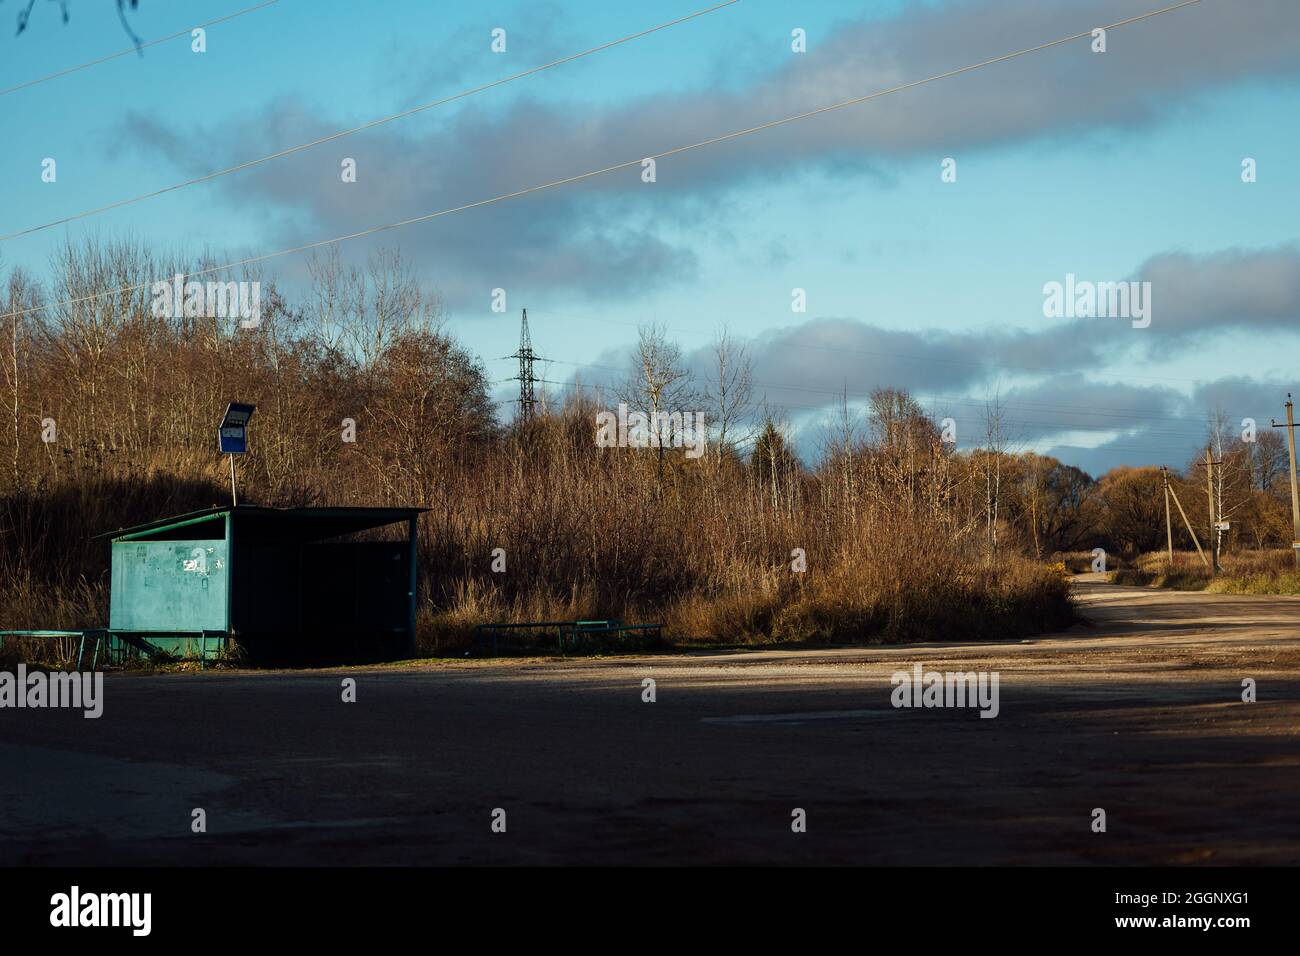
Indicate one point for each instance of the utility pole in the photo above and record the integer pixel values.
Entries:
(1190, 529)
(1209, 497)
(1169, 528)
(1295, 497)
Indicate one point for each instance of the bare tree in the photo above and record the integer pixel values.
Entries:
(382, 303)
(995, 447)
(326, 297)
(25, 15)
(842, 449)
(659, 384)
(21, 296)
(775, 466)
(1232, 474)
(1267, 459)
(729, 390)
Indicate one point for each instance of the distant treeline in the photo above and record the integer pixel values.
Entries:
(363, 397)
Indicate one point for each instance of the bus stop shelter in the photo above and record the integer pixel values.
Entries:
(284, 585)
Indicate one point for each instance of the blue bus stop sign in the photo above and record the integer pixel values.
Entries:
(232, 436)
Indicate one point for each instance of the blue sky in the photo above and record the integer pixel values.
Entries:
(1114, 166)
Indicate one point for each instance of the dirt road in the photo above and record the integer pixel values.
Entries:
(1139, 714)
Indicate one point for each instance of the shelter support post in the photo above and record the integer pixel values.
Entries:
(412, 540)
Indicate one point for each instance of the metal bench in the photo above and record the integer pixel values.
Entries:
(96, 637)
(99, 643)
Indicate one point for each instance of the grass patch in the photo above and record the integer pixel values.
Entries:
(1248, 572)
(852, 603)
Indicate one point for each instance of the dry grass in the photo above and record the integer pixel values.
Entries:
(595, 533)
(54, 653)
(900, 537)
(706, 551)
(1269, 571)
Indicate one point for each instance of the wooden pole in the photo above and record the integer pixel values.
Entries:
(1209, 496)
(1295, 498)
(412, 544)
(1190, 529)
(1169, 527)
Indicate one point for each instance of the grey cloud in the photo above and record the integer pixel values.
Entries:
(1197, 296)
(425, 70)
(1242, 397)
(1066, 411)
(834, 353)
(799, 365)
(1096, 461)
(605, 231)
(1076, 402)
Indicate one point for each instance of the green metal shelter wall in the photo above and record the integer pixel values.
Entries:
(169, 586)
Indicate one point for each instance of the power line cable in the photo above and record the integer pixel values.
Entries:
(926, 359)
(568, 180)
(1058, 427)
(949, 400)
(364, 126)
(1166, 449)
(135, 49)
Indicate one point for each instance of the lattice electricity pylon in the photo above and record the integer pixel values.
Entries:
(527, 380)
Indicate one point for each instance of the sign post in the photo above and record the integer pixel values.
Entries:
(232, 438)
